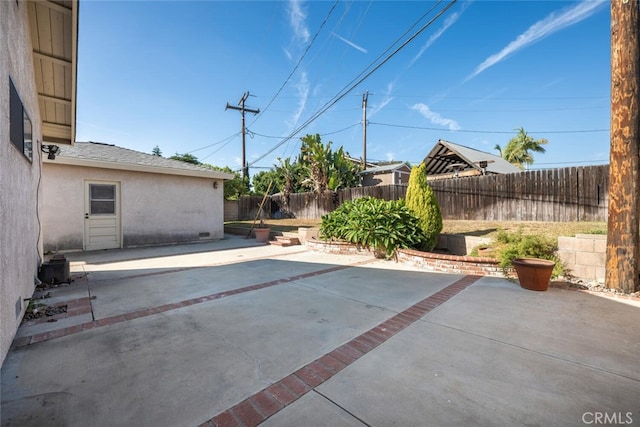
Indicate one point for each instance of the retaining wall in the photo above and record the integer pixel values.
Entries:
(584, 255)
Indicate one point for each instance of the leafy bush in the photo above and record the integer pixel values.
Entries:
(378, 224)
(422, 202)
(510, 245)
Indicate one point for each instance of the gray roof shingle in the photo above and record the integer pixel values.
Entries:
(109, 153)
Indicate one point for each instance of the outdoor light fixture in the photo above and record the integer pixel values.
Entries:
(51, 150)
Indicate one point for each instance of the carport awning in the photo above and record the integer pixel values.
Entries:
(54, 37)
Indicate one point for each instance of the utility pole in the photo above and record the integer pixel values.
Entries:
(365, 97)
(243, 109)
(623, 240)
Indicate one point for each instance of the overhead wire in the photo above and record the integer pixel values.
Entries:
(360, 77)
(220, 148)
(215, 143)
(485, 131)
(322, 134)
(295, 68)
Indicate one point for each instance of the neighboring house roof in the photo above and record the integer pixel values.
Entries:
(358, 161)
(445, 156)
(386, 168)
(109, 156)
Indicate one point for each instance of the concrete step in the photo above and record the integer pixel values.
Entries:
(285, 241)
(290, 234)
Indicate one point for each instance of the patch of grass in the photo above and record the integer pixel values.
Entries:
(470, 228)
(285, 224)
(551, 230)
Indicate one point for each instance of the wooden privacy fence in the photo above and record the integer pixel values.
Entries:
(567, 194)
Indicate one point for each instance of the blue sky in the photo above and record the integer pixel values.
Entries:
(161, 73)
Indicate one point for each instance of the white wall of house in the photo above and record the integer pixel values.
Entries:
(155, 208)
(20, 237)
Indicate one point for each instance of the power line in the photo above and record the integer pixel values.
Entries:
(227, 140)
(354, 83)
(298, 63)
(215, 151)
(322, 134)
(512, 110)
(492, 98)
(570, 163)
(485, 131)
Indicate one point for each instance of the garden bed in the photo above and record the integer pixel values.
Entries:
(429, 261)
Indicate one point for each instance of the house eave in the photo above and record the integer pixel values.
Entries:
(54, 38)
(90, 163)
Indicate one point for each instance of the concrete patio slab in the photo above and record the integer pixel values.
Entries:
(246, 334)
(435, 375)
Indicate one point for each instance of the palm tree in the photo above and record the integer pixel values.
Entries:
(518, 149)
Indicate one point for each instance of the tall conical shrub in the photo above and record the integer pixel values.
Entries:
(422, 202)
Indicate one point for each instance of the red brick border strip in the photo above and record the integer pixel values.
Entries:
(144, 312)
(258, 407)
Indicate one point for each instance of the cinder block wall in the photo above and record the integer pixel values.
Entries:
(584, 255)
(230, 210)
(459, 244)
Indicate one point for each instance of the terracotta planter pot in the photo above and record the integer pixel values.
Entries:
(533, 273)
(262, 234)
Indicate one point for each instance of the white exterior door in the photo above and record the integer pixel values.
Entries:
(102, 215)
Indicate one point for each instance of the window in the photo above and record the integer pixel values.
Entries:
(102, 199)
(20, 128)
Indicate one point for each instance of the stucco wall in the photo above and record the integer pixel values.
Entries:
(377, 179)
(396, 177)
(154, 208)
(20, 239)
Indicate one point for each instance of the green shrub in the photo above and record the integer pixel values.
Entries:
(510, 245)
(596, 231)
(422, 202)
(380, 225)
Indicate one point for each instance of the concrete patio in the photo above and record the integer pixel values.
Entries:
(237, 333)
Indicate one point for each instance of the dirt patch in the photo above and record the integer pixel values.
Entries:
(39, 311)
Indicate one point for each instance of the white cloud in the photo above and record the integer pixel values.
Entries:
(390, 156)
(302, 88)
(435, 36)
(350, 43)
(387, 98)
(297, 18)
(541, 29)
(434, 117)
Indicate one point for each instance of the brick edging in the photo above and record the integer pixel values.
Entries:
(444, 263)
(429, 261)
(258, 407)
(144, 312)
(75, 307)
